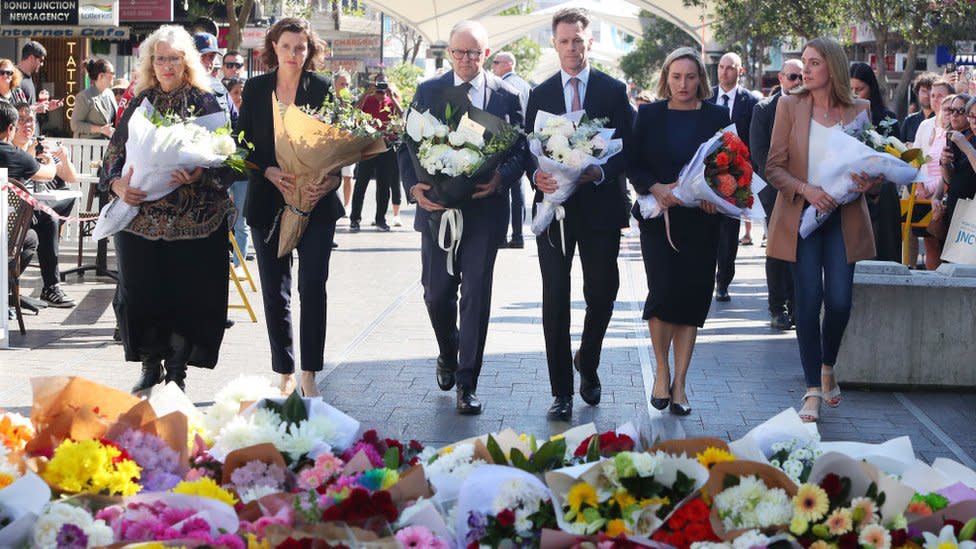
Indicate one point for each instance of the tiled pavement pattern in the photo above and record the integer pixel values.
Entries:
(380, 356)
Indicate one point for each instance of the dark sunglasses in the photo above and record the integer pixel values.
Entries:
(233, 65)
(793, 77)
(5, 72)
(960, 111)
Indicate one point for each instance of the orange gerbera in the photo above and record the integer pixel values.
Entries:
(14, 436)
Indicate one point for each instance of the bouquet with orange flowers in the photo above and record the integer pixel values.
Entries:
(728, 171)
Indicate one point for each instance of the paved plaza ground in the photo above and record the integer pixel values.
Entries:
(380, 355)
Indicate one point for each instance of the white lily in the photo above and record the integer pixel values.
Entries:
(946, 540)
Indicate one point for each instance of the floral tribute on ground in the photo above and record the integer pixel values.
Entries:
(93, 467)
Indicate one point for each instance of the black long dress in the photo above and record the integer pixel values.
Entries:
(962, 181)
(171, 297)
(680, 283)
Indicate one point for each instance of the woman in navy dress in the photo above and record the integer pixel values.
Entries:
(680, 283)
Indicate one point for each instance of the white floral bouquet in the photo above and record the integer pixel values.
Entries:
(447, 468)
(747, 540)
(66, 525)
(498, 503)
(158, 145)
(565, 146)
(751, 504)
(849, 155)
(795, 457)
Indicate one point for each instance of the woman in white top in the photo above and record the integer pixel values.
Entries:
(930, 137)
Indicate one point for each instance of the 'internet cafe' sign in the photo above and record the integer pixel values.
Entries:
(59, 12)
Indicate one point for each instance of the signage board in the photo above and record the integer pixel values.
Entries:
(362, 46)
(145, 10)
(54, 31)
(39, 12)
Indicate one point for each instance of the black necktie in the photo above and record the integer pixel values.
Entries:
(464, 86)
(725, 101)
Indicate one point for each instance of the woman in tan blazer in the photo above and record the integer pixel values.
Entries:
(822, 263)
(95, 107)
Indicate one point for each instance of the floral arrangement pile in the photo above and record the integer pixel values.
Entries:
(110, 470)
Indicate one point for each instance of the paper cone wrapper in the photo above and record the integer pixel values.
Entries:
(862, 474)
(171, 428)
(265, 453)
(311, 149)
(771, 477)
(73, 407)
(411, 487)
(331, 533)
(689, 447)
(557, 539)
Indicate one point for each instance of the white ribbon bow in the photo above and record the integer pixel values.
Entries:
(451, 220)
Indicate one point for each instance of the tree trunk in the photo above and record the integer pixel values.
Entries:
(336, 12)
(236, 22)
(900, 102)
(417, 41)
(881, 41)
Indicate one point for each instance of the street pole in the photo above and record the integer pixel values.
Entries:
(382, 16)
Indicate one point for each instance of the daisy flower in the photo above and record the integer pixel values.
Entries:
(810, 502)
(839, 522)
(865, 511)
(878, 537)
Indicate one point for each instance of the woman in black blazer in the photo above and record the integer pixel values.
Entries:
(291, 48)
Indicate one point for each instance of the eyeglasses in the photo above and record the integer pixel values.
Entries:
(793, 77)
(173, 60)
(471, 54)
(959, 111)
(5, 72)
(971, 116)
(233, 65)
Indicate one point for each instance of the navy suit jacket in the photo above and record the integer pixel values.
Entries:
(741, 110)
(601, 206)
(503, 102)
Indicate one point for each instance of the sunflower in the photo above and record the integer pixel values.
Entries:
(810, 502)
(713, 455)
(839, 522)
(579, 495)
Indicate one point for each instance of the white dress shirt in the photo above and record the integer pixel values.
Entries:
(730, 94)
(584, 78)
(478, 94)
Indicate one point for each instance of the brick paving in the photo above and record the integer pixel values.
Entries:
(380, 356)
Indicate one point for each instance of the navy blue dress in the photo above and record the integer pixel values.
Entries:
(680, 283)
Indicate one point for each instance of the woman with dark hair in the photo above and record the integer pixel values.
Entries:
(290, 49)
(885, 206)
(958, 158)
(95, 107)
(680, 283)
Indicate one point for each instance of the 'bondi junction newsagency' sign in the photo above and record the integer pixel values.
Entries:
(84, 13)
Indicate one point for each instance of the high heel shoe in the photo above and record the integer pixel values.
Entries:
(660, 403)
(308, 386)
(680, 408)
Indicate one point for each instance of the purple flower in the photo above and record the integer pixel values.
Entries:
(478, 523)
(153, 455)
(72, 537)
(375, 459)
(257, 473)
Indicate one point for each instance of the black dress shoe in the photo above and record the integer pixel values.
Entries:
(229, 323)
(176, 373)
(445, 373)
(335, 244)
(680, 409)
(590, 388)
(383, 227)
(723, 295)
(152, 374)
(561, 409)
(516, 243)
(780, 321)
(467, 402)
(354, 226)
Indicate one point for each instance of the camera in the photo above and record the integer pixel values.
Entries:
(382, 86)
(39, 147)
(950, 67)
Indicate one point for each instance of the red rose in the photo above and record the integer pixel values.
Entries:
(750, 201)
(899, 537)
(697, 510)
(292, 543)
(581, 449)
(660, 535)
(697, 531)
(722, 160)
(611, 443)
(677, 522)
(743, 182)
(506, 518)
(678, 540)
(416, 446)
(832, 485)
(371, 437)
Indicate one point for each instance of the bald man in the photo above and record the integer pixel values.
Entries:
(740, 102)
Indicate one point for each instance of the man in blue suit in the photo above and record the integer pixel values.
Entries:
(485, 219)
(740, 103)
(594, 215)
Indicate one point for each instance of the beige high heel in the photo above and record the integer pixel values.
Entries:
(288, 384)
(309, 387)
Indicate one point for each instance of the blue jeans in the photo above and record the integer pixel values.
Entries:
(821, 277)
(242, 233)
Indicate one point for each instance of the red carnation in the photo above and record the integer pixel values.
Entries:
(678, 540)
(899, 537)
(506, 518)
(721, 160)
(697, 510)
(743, 181)
(832, 485)
(848, 541)
(677, 521)
(726, 185)
(699, 531)
(729, 139)
(371, 437)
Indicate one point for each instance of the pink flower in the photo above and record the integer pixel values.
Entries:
(418, 537)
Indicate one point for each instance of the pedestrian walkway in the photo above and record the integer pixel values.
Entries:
(380, 355)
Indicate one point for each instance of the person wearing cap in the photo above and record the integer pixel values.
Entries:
(119, 86)
(207, 46)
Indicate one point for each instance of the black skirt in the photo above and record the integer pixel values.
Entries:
(172, 287)
(680, 283)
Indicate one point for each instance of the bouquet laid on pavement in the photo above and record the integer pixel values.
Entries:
(855, 149)
(454, 152)
(310, 144)
(565, 146)
(161, 143)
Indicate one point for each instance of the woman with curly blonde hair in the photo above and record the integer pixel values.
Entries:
(171, 299)
(10, 78)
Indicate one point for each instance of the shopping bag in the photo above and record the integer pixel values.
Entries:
(960, 244)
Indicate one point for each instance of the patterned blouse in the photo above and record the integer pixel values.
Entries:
(191, 211)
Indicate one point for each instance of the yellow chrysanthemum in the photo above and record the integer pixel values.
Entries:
(713, 455)
(646, 502)
(839, 522)
(616, 527)
(207, 488)
(810, 502)
(92, 467)
(624, 499)
(446, 450)
(581, 494)
(253, 543)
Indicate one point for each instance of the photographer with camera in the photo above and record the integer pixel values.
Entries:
(380, 101)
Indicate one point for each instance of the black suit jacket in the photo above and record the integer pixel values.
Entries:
(741, 110)
(601, 206)
(264, 201)
(760, 134)
(503, 102)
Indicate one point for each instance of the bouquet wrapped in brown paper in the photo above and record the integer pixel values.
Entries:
(732, 475)
(310, 145)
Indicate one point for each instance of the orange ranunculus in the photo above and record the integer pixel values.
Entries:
(722, 160)
(726, 185)
(13, 435)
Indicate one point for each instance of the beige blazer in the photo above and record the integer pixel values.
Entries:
(92, 109)
(786, 169)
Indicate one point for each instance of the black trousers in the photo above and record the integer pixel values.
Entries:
(314, 253)
(49, 237)
(473, 271)
(601, 280)
(518, 209)
(728, 249)
(385, 170)
(779, 283)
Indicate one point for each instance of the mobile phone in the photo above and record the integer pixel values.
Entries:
(950, 67)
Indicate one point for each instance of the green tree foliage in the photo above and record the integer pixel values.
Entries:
(660, 38)
(405, 77)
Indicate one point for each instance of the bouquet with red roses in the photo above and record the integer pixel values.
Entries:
(606, 444)
(689, 524)
(361, 505)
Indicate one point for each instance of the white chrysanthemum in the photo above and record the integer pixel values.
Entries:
(324, 429)
(751, 505)
(558, 143)
(224, 145)
(54, 517)
(264, 418)
(752, 538)
(257, 492)
(576, 158)
(456, 139)
(793, 469)
(242, 432)
(100, 534)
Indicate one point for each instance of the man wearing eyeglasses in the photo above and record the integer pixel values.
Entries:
(779, 281)
(485, 219)
(232, 66)
(594, 215)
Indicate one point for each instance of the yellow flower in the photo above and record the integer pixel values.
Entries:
(617, 527)
(253, 543)
(798, 525)
(624, 499)
(839, 522)
(6, 480)
(646, 502)
(821, 544)
(92, 467)
(810, 502)
(446, 450)
(579, 495)
(207, 488)
(554, 438)
(713, 455)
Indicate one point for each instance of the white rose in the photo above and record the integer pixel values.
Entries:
(875, 138)
(456, 139)
(224, 145)
(896, 143)
(558, 143)
(576, 158)
(441, 131)
(598, 143)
